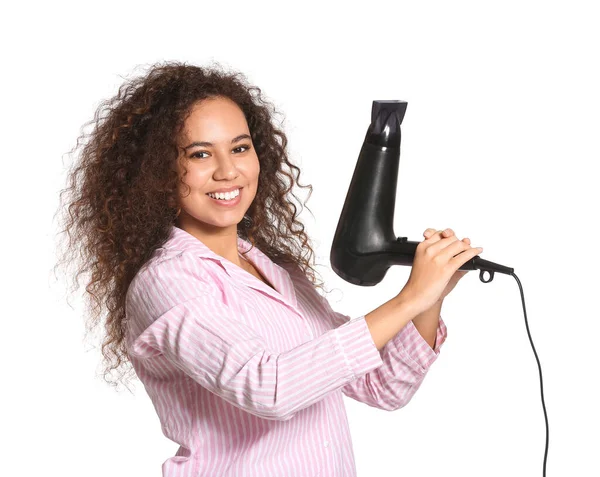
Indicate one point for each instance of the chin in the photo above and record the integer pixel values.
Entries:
(230, 221)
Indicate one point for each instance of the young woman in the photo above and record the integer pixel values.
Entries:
(182, 210)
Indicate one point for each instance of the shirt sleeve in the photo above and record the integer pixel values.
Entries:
(175, 311)
(406, 358)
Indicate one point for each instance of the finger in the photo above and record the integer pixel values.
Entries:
(431, 231)
(435, 234)
(437, 239)
(465, 256)
(454, 248)
(451, 247)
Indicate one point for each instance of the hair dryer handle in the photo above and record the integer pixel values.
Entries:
(403, 253)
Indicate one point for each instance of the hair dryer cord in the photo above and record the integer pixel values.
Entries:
(539, 368)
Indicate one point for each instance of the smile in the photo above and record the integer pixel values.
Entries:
(224, 195)
(230, 198)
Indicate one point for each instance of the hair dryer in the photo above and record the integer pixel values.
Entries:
(364, 245)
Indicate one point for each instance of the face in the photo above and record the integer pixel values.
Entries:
(218, 153)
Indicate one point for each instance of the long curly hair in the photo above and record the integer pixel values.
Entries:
(122, 199)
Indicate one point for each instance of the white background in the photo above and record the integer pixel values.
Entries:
(500, 142)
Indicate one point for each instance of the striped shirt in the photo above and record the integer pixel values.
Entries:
(248, 379)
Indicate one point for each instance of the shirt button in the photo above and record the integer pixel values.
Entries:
(326, 443)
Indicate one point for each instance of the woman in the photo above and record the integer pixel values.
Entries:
(182, 211)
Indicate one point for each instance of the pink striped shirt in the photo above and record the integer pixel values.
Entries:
(249, 380)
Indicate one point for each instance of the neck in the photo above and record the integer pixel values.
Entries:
(221, 240)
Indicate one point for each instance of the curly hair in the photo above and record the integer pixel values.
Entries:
(122, 194)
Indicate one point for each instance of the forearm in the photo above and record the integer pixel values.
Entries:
(386, 321)
(406, 359)
(427, 323)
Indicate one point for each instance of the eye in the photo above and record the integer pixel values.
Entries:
(246, 147)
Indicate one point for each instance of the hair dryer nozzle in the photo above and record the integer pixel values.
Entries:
(386, 118)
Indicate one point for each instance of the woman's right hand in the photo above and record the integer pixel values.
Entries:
(436, 260)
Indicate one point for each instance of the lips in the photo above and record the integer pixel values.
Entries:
(225, 189)
(225, 195)
(227, 202)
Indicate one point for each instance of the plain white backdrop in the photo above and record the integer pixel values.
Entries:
(500, 142)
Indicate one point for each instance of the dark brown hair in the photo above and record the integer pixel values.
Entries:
(122, 197)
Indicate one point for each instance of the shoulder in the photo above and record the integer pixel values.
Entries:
(300, 279)
(171, 277)
(294, 271)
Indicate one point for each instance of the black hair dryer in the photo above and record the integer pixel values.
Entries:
(364, 245)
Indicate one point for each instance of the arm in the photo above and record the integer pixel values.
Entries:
(406, 359)
(175, 312)
(427, 323)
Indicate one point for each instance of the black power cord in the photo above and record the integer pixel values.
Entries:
(540, 370)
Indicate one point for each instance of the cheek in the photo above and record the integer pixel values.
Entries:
(252, 173)
(191, 185)
(256, 168)
(196, 177)
(250, 169)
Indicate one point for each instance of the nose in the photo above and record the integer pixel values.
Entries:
(226, 169)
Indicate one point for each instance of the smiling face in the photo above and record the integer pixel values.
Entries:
(218, 154)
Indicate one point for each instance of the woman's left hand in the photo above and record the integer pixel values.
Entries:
(459, 273)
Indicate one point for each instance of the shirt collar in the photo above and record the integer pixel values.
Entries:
(181, 240)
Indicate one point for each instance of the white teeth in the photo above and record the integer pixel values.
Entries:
(225, 195)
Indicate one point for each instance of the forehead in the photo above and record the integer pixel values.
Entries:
(215, 112)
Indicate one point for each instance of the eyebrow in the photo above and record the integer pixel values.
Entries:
(209, 144)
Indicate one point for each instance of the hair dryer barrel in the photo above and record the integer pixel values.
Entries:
(361, 252)
(364, 244)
